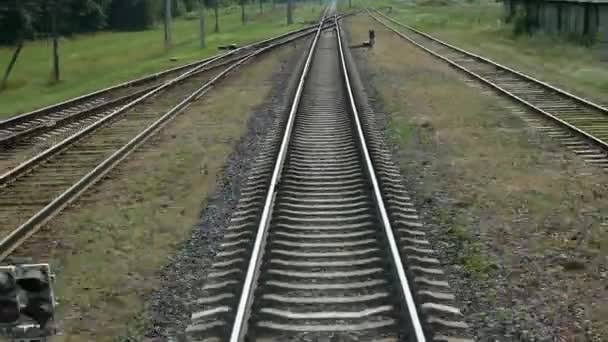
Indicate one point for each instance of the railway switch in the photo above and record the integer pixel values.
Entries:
(27, 302)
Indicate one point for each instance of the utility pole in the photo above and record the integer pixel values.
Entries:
(55, 34)
(201, 9)
(272, 2)
(167, 24)
(243, 19)
(261, 6)
(217, 16)
(350, 3)
(289, 12)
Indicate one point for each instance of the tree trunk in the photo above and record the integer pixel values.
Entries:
(167, 24)
(201, 9)
(11, 64)
(56, 76)
(217, 16)
(289, 12)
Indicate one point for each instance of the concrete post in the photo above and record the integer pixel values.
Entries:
(167, 24)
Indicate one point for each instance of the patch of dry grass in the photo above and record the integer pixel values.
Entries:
(515, 199)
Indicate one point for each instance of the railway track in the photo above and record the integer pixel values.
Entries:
(27, 135)
(35, 123)
(325, 243)
(37, 189)
(579, 124)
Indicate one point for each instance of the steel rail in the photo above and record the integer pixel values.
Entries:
(43, 127)
(240, 320)
(30, 163)
(36, 129)
(569, 126)
(57, 107)
(27, 165)
(404, 286)
(21, 233)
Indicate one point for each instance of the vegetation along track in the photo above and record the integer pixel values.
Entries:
(581, 124)
(324, 243)
(26, 135)
(39, 188)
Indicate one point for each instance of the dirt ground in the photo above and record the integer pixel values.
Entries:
(521, 223)
(109, 248)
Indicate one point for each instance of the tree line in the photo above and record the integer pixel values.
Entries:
(29, 19)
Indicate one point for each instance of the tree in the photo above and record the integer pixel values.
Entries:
(134, 14)
(201, 6)
(19, 15)
(54, 11)
(85, 15)
(17, 20)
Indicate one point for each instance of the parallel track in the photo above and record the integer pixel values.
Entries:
(56, 119)
(311, 252)
(46, 135)
(39, 188)
(580, 117)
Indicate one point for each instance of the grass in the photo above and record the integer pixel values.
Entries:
(507, 200)
(91, 62)
(477, 26)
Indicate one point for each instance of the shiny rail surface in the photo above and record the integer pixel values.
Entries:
(580, 116)
(31, 195)
(312, 252)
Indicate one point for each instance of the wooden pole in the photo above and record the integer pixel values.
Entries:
(261, 6)
(55, 34)
(201, 9)
(167, 24)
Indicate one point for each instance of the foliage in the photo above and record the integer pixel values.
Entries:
(133, 14)
(17, 20)
(29, 19)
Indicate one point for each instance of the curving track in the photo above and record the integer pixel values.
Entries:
(315, 248)
(34, 191)
(585, 122)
